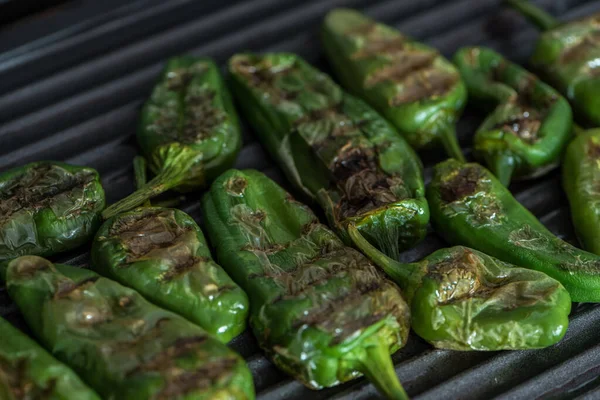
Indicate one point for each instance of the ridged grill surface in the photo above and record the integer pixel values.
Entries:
(75, 95)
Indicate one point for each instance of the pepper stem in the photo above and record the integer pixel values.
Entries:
(503, 166)
(539, 17)
(450, 143)
(377, 366)
(139, 172)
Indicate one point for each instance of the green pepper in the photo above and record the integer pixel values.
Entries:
(469, 206)
(27, 371)
(320, 310)
(335, 149)
(462, 299)
(47, 208)
(410, 83)
(189, 131)
(119, 343)
(581, 181)
(530, 125)
(567, 55)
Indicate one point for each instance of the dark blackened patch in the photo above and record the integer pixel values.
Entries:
(525, 125)
(181, 265)
(262, 75)
(201, 116)
(68, 288)
(581, 51)
(593, 149)
(461, 185)
(409, 63)
(236, 186)
(179, 79)
(424, 84)
(27, 268)
(380, 46)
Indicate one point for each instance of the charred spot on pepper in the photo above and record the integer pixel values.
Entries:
(236, 186)
(593, 149)
(201, 116)
(14, 373)
(580, 51)
(406, 64)
(525, 125)
(262, 75)
(181, 264)
(464, 183)
(424, 84)
(68, 288)
(28, 267)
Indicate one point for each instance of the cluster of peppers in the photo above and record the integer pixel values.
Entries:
(153, 318)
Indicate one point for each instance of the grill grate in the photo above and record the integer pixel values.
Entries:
(75, 96)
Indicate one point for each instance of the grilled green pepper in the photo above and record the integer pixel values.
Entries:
(581, 181)
(462, 299)
(335, 149)
(27, 371)
(411, 84)
(47, 208)
(319, 309)
(470, 206)
(189, 131)
(530, 124)
(123, 346)
(567, 55)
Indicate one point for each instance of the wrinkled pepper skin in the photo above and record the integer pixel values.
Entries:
(410, 83)
(469, 206)
(162, 253)
(47, 208)
(581, 181)
(462, 299)
(320, 310)
(119, 343)
(567, 55)
(27, 371)
(189, 130)
(335, 149)
(530, 125)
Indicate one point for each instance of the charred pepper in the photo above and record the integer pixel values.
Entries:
(530, 124)
(462, 299)
(567, 55)
(123, 346)
(335, 149)
(470, 206)
(47, 208)
(410, 83)
(189, 131)
(27, 371)
(319, 309)
(581, 181)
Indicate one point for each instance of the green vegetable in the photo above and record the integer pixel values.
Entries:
(581, 180)
(568, 56)
(319, 309)
(530, 125)
(47, 208)
(335, 149)
(123, 346)
(27, 371)
(462, 299)
(189, 131)
(411, 84)
(470, 206)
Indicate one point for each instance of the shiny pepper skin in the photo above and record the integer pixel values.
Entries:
(530, 123)
(27, 371)
(47, 208)
(119, 343)
(462, 299)
(321, 311)
(411, 84)
(334, 148)
(469, 206)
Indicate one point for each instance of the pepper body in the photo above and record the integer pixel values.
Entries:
(162, 253)
(27, 371)
(567, 55)
(411, 84)
(188, 131)
(530, 124)
(462, 299)
(335, 149)
(123, 346)
(319, 309)
(581, 181)
(470, 206)
(47, 208)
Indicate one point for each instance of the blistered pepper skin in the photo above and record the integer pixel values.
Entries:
(320, 310)
(334, 148)
(567, 55)
(410, 83)
(469, 206)
(462, 299)
(189, 131)
(27, 371)
(530, 123)
(47, 208)
(162, 253)
(119, 343)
